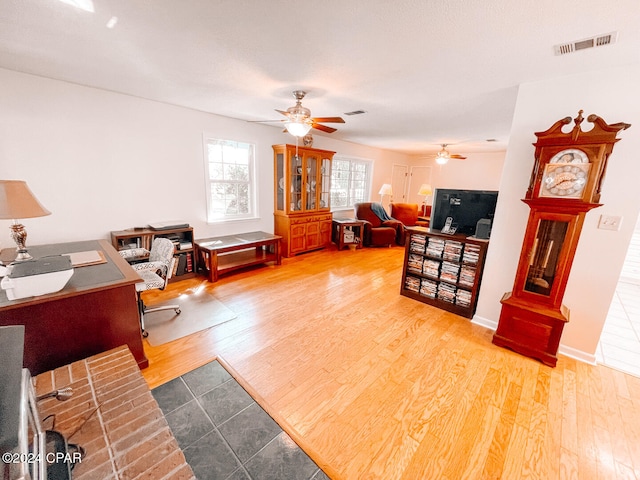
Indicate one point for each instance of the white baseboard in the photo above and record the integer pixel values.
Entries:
(485, 322)
(576, 354)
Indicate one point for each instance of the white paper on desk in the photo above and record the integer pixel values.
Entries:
(86, 258)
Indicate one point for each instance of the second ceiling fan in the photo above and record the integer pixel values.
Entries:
(443, 155)
(299, 120)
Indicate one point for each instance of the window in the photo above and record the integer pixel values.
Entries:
(350, 182)
(230, 180)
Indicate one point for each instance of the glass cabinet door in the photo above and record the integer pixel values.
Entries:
(302, 180)
(544, 256)
(296, 183)
(281, 195)
(311, 181)
(325, 184)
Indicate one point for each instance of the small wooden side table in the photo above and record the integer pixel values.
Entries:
(347, 231)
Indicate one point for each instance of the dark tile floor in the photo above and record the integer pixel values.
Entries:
(225, 434)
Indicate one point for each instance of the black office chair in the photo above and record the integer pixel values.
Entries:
(155, 273)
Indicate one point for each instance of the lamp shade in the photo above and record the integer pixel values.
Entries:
(18, 201)
(297, 129)
(385, 189)
(425, 189)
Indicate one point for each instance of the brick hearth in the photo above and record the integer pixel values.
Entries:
(127, 437)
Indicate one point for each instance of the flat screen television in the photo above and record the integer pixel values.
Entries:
(465, 207)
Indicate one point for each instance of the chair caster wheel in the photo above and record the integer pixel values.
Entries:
(145, 334)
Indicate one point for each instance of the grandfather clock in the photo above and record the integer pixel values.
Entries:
(565, 184)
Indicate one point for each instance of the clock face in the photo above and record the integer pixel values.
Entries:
(564, 180)
(570, 155)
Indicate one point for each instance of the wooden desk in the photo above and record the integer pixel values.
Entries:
(96, 311)
(222, 254)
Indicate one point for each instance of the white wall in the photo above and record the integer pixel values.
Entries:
(613, 95)
(102, 161)
(480, 171)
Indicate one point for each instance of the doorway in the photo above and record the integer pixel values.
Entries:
(619, 345)
(399, 175)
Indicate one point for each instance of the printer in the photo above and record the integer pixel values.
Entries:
(36, 277)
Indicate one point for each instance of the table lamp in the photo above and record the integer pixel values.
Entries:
(385, 190)
(17, 201)
(425, 190)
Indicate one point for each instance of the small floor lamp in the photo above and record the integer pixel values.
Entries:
(17, 201)
(425, 190)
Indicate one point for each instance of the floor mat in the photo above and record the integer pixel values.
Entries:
(165, 326)
(225, 434)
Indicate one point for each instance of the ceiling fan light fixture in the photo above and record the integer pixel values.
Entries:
(442, 158)
(297, 129)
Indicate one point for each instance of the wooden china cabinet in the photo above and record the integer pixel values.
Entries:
(302, 189)
(566, 182)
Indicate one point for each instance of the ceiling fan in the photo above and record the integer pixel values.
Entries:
(299, 120)
(443, 155)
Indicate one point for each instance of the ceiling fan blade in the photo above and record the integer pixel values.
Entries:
(458, 157)
(286, 114)
(323, 128)
(327, 119)
(266, 121)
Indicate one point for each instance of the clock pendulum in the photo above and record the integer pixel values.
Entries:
(565, 184)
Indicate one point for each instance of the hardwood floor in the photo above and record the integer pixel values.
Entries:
(374, 385)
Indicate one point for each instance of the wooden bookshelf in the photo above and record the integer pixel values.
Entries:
(443, 270)
(182, 239)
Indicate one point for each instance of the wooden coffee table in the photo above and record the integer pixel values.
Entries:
(217, 255)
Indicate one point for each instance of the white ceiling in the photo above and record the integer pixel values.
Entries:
(425, 71)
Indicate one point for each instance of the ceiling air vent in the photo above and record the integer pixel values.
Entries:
(355, 112)
(585, 43)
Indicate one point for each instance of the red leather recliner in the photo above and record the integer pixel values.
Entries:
(377, 232)
(407, 214)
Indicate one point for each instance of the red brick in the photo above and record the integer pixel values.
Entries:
(121, 416)
(43, 383)
(114, 372)
(117, 431)
(101, 357)
(148, 459)
(94, 459)
(107, 404)
(142, 434)
(165, 468)
(107, 360)
(84, 431)
(92, 445)
(82, 399)
(79, 371)
(183, 473)
(116, 387)
(62, 377)
(88, 471)
(141, 449)
(117, 375)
